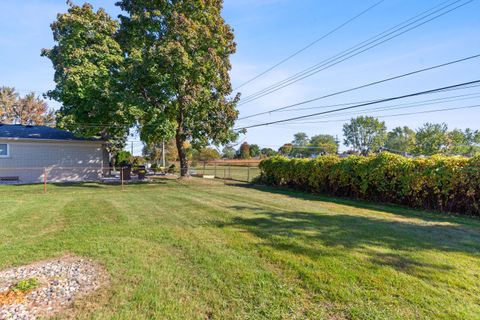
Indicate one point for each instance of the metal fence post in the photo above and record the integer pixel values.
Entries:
(248, 173)
(215, 170)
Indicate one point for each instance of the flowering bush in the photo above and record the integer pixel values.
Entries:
(438, 183)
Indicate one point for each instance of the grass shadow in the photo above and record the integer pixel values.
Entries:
(428, 216)
(317, 236)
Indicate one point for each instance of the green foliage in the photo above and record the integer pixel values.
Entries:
(303, 147)
(254, 150)
(88, 65)
(286, 149)
(465, 143)
(26, 285)
(436, 183)
(153, 152)
(136, 161)
(432, 139)
(206, 154)
(300, 139)
(123, 158)
(365, 134)
(299, 143)
(268, 152)
(401, 139)
(228, 152)
(324, 144)
(178, 63)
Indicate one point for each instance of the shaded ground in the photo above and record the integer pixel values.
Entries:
(206, 250)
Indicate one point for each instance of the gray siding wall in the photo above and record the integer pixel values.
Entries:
(63, 161)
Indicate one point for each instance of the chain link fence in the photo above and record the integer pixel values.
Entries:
(242, 171)
(236, 170)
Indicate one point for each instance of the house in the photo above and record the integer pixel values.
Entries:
(28, 154)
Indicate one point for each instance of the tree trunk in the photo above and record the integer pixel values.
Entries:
(180, 141)
(182, 155)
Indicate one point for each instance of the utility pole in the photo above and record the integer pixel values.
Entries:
(132, 148)
(163, 153)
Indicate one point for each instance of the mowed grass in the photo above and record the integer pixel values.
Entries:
(205, 250)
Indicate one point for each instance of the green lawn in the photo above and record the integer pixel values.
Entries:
(206, 250)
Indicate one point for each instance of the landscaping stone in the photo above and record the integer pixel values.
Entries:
(60, 282)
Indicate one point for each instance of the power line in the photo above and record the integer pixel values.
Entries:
(404, 105)
(361, 45)
(348, 54)
(389, 108)
(310, 44)
(358, 102)
(412, 104)
(393, 115)
(359, 105)
(364, 86)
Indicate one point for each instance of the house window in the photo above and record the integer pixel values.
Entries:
(4, 150)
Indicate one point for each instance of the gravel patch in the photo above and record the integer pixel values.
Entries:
(60, 282)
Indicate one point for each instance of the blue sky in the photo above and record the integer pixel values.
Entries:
(268, 31)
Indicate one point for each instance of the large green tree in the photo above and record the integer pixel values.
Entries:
(88, 63)
(300, 139)
(401, 139)
(178, 63)
(432, 138)
(365, 134)
(323, 144)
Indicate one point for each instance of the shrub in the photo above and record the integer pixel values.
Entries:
(437, 183)
(122, 158)
(25, 285)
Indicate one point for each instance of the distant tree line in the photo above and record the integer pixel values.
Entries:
(367, 134)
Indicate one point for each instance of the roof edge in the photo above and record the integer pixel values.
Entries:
(53, 140)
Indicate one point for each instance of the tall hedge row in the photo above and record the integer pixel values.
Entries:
(449, 184)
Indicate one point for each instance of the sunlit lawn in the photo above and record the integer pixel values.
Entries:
(206, 250)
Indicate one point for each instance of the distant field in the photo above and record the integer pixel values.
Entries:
(203, 249)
